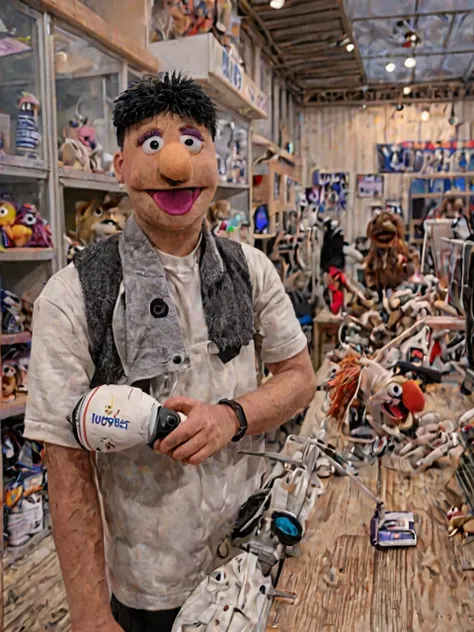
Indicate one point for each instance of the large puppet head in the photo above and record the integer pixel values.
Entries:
(167, 160)
(385, 230)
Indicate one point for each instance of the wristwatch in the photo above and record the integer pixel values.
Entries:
(239, 412)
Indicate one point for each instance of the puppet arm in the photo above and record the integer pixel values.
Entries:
(210, 427)
(79, 538)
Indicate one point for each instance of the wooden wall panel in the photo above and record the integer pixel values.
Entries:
(344, 138)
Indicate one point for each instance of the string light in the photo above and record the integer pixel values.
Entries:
(406, 90)
(350, 47)
(277, 4)
(390, 67)
(426, 115)
(410, 62)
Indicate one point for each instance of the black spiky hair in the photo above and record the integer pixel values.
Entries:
(172, 93)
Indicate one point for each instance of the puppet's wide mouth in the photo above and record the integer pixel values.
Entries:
(398, 412)
(385, 237)
(175, 201)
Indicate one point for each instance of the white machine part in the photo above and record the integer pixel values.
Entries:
(112, 418)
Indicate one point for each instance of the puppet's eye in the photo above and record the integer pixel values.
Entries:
(394, 390)
(3, 211)
(98, 212)
(29, 219)
(192, 144)
(153, 145)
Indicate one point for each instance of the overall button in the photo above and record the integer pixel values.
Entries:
(158, 308)
(177, 359)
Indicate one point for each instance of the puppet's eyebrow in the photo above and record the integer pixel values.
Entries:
(192, 131)
(151, 132)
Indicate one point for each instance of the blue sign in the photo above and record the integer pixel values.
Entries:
(414, 157)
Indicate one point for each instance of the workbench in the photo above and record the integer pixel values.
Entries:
(344, 585)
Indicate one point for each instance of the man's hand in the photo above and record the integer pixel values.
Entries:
(110, 626)
(207, 429)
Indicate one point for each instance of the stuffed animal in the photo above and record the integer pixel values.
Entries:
(27, 130)
(390, 261)
(12, 233)
(170, 19)
(9, 381)
(29, 219)
(98, 219)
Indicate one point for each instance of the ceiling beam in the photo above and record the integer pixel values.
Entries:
(259, 25)
(296, 20)
(334, 26)
(469, 71)
(304, 41)
(348, 28)
(265, 10)
(402, 16)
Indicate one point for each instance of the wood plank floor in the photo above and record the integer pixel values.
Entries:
(342, 583)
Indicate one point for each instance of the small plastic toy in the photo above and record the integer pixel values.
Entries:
(13, 320)
(28, 136)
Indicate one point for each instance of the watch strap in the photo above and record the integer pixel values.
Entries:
(241, 417)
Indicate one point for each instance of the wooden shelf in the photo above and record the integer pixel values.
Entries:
(77, 179)
(14, 408)
(261, 141)
(15, 339)
(435, 196)
(19, 167)
(27, 254)
(440, 176)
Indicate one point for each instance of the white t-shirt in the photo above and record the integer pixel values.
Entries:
(164, 521)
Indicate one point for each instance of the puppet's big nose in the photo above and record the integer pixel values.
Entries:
(175, 163)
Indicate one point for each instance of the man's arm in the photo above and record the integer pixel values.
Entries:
(290, 389)
(209, 428)
(79, 538)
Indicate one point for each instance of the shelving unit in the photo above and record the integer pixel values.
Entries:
(15, 339)
(77, 64)
(27, 254)
(14, 408)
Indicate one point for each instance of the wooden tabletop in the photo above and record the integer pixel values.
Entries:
(345, 585)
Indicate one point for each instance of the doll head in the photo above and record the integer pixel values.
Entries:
(167, 159)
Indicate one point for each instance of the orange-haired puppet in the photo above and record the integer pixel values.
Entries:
(388, 403)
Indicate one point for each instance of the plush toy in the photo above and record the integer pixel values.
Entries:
(9, 381)
(73, 153)
(98, 219)
(170, 19)
(29, 219)
(390, 261)
(13, 321)
(73, 246)
(27, 130)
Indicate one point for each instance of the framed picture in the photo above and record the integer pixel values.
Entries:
(369, 186)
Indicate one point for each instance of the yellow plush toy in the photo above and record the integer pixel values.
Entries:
(12, 235)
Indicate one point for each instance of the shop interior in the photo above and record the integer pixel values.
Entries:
(345, 153)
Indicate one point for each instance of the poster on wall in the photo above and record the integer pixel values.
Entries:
(416, 157)
(369, 186)
(329, 191)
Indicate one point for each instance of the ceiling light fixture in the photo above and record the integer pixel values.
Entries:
(407, 90)
(426, 115)
(390, 67)
(410, 62)
(350, 47)
(277, 4)
(400, 107)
